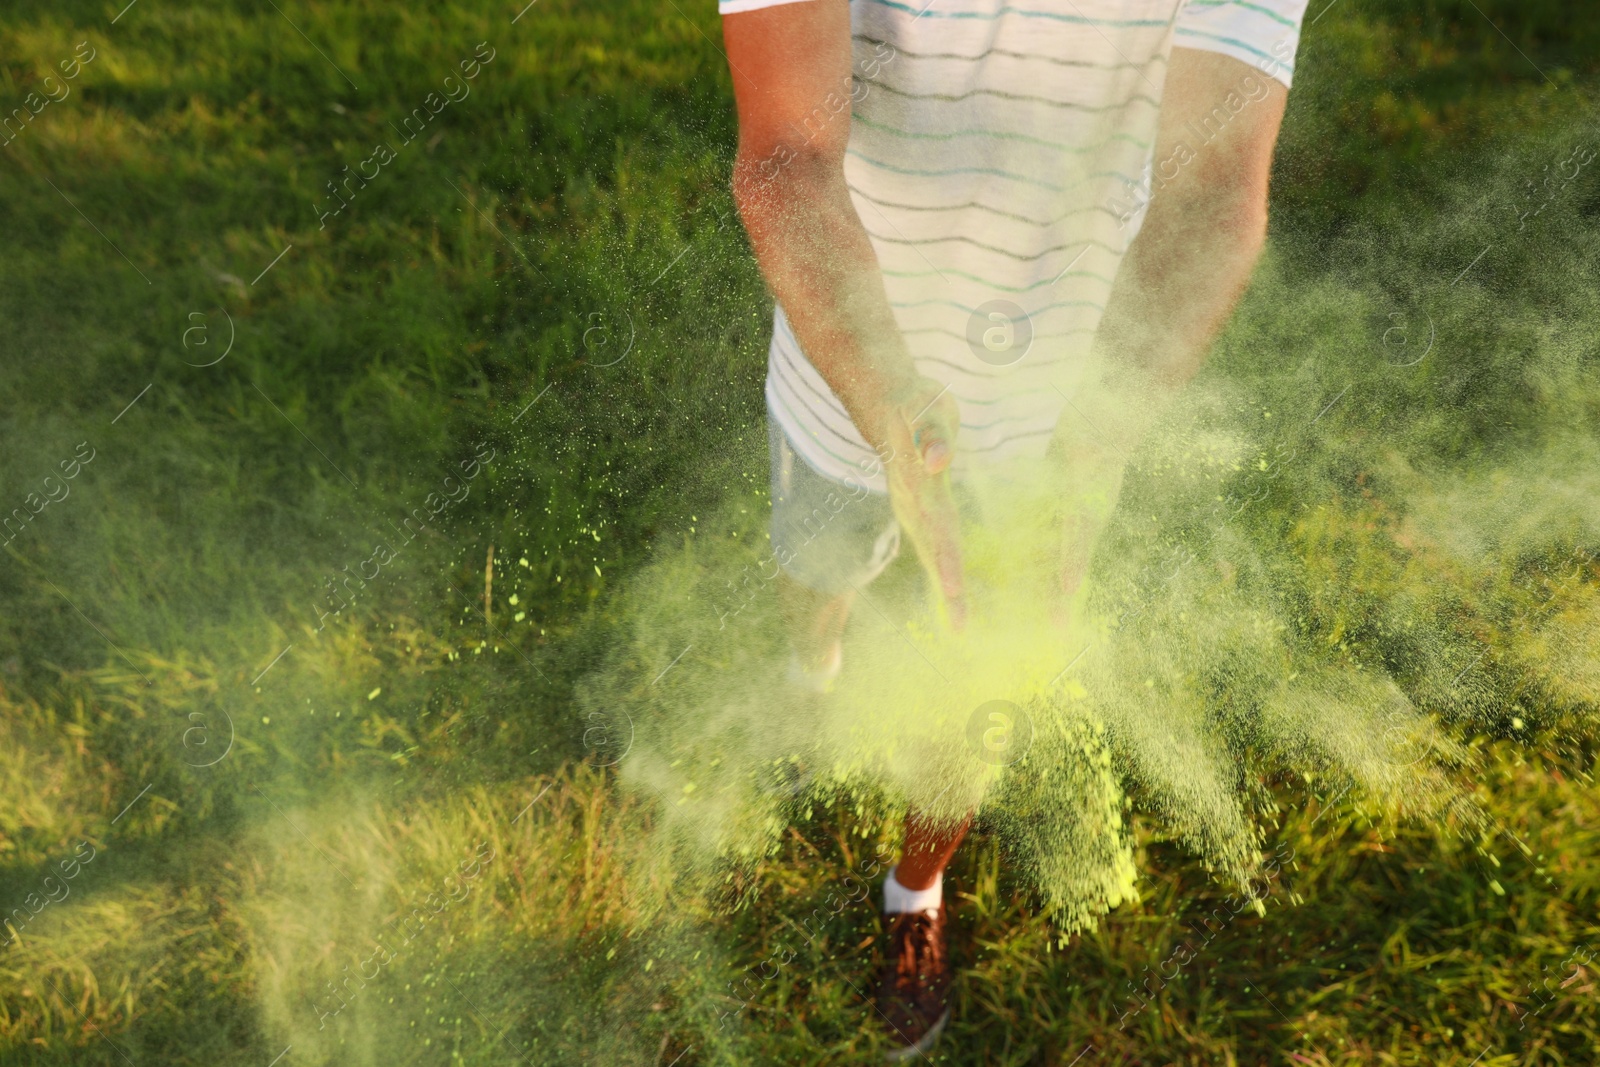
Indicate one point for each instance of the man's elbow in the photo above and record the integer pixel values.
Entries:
(1225, 230)
(1245, 228)
(770, 174)
(756, 168)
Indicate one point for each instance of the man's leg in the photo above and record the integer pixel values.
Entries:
(830, 539)
(927, 851)
(815, 622)
(914, 988)
(831, 552)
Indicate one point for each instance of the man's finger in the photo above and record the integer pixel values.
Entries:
(932, 435)
(945, 548)
(954, 585)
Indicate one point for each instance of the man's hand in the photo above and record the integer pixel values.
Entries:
(921, 426)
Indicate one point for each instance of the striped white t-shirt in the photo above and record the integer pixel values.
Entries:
(999, 155)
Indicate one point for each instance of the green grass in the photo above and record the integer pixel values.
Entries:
(505, 258)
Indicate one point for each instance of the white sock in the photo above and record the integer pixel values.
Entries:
(897, 898)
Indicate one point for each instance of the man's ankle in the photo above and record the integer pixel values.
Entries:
(897, 898)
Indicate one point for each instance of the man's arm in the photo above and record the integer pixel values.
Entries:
(1183, 274)
(792, 84)
(1207, 222)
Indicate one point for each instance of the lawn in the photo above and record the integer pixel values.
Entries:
(356, 359)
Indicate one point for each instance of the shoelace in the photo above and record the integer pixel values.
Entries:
(921, 948)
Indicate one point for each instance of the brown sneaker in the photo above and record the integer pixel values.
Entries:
(914, 989)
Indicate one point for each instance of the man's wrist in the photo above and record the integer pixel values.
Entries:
(874, 396)
(1121, 399)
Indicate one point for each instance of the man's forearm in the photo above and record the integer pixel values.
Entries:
(1181, 279)
(1203, 232)
(819, 263)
